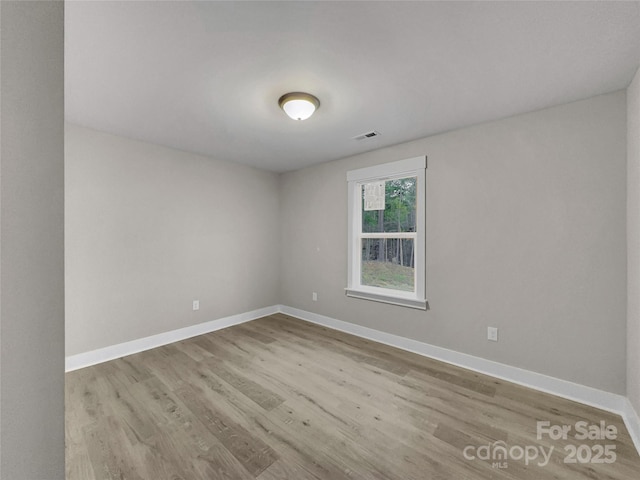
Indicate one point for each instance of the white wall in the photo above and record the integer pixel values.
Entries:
(149, 229)
(31, 241)
(525, 231)
(633, 242)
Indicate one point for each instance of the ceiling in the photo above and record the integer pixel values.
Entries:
(205, 77)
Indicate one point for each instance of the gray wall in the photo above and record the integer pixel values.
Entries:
(31, 241)
(149, 229)
(633, 242)
(525, 231)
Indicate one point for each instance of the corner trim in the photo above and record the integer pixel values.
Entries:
(93, 357)
(632, 421)
(610, 402)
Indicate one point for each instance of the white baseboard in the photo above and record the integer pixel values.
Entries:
(632, 421)
(81, 360)
(580, 393)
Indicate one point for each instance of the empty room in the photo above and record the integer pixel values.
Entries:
(319, 240)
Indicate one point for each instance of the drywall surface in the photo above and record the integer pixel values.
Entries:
(150, 229)
(525, 232)
(633, 242)
(32, 240)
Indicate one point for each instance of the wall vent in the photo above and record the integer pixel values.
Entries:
(364, 136)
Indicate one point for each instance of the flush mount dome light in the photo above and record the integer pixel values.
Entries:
(298, 105)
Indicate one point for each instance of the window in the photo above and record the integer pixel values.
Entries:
(386, 233)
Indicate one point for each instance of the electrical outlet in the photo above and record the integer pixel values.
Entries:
(196, 304)
(492, 334)
(314, 296)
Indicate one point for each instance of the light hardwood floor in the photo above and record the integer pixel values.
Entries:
(280, 398)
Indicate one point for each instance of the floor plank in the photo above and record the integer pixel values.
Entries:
(280, 398)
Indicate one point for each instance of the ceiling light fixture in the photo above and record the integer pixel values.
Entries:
(298, 105)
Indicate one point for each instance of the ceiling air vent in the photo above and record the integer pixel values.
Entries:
(367, 135)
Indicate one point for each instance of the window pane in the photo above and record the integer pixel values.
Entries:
(399, 203)
(388, 263)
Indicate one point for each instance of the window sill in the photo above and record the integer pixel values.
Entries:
(391, 299)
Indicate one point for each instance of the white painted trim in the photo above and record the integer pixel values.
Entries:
(379, 295)
(580, 393)
(81, 360)
(390, 169)
(411, 167)
(632, 421)
(610, 402)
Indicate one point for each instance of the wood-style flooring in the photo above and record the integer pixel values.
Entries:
(279, 398)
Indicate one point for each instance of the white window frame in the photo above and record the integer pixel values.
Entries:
(412, 167)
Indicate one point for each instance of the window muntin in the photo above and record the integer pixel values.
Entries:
(388, 235)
